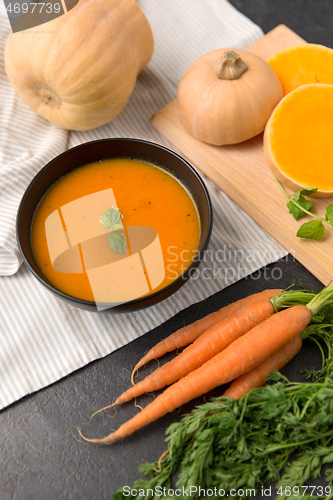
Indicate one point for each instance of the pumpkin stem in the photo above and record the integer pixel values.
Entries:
(229, 66)
(47, 95)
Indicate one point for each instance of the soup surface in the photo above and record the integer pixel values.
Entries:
(147, 196)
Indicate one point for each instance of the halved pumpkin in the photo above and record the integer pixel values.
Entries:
(302, 65)
(298, 139)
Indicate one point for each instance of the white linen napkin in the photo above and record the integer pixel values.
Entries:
(43, 339)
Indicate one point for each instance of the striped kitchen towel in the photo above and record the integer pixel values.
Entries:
(43, 339)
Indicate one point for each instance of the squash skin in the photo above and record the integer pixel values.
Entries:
(272, 163)
(90, 58)
(221, 112)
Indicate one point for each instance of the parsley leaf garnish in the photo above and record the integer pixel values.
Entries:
(302, 203)
(329, 214)
(117, 242)
(299, 206)
(112, 219)
(312, 230)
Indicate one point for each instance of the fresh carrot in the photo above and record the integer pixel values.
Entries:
(257, 376)
(241, 356)
(212, 341)
(189, 333)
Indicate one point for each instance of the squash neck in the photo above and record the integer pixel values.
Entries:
(47, 95)
(229, 66)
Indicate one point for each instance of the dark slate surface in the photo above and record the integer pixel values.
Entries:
(41, 457)
(311, 19)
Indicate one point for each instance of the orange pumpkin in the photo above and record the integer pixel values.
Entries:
(298, 139)
(227, 96)
(303, 64)
(80, 72)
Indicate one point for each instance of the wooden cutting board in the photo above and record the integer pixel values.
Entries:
(240, 171)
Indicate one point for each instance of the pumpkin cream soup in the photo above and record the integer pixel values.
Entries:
(118, 225)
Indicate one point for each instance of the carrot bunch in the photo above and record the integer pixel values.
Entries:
(241, 343)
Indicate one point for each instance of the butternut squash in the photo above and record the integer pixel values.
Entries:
(303, 64)
(298, 139)
(81, 70)
(227, 96)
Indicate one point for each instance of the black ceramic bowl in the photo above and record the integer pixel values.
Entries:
(94, 151)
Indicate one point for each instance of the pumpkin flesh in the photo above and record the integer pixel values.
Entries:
(302, 65)
(298, 139)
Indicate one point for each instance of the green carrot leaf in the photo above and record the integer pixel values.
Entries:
(312, 230)
(117, 242)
